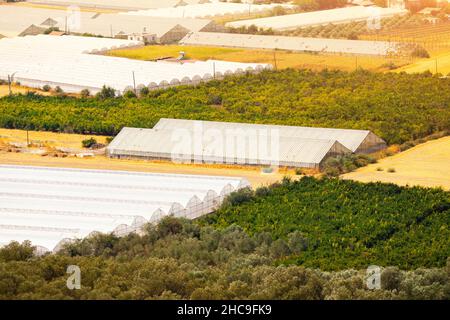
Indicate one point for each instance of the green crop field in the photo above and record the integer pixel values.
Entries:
(345, 224)
(397, 107)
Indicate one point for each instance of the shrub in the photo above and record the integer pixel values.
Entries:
(391, 170)
(106, 93)
(129, 94)
(15, 251)
(85, 93)
(88, 143)
(420, 52)
(46, 88)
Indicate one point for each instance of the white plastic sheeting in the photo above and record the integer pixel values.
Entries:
(291, 43)
(51, 205)
(351, 139)
(213, 9)
(116, 4)
(219, 145)
(316, 18)
(70, 62)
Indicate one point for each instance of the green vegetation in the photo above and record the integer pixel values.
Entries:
(88, 143)
(177, 259)
(346, 224)
(336, 166)
(397, 107)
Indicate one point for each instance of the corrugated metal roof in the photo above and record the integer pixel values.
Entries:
(260, 147)
(48, 205)
(290, 43)
(350, 138)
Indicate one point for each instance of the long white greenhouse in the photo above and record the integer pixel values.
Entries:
(50, 206)
(291, 43)
(205, 10)
(190, 141)
(74, 63)
(323, 17)
(358, 141)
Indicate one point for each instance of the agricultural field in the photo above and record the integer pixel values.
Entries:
(281, 59)
(344, 224)
(396, 107)
(427, 164)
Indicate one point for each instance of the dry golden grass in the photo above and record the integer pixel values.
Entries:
(51, 139)
(253, 174)
(282, 59)
(4, 90)
(427, 164)
(439, 63)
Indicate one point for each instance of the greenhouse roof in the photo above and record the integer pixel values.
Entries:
(70, 62)
(350, 138)
(323, 17)
(290, 43)
(48, 205)
(244, 147)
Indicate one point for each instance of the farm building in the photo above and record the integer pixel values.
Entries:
(167, 30)
(74, 63)
(49, 206)
(22, 21)
(318, 18)
(240, 143)
(291, 43)
(207, 10)
(243, 148)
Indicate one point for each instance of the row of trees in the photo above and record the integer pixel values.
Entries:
(177, 259)
(397, 107)
(346, 224)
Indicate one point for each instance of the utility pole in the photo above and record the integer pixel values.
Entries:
(28, 138)
(10, 80)
(436, 65)
(9, 84)
(214, 70)
(134, 83)
(275, 59)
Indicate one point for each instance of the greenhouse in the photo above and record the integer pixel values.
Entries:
(49, 206)
(204, 10)
(75, 63)
(318, 18)
(222, 146)
(358, 141)
(324, 45)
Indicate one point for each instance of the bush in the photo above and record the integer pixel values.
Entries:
(17, 252)
(390, 279)
(88, 143)
(106, 93)
(420, 52)
(129, 94)
(85, 93)
(46, 88)
(335, 166)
